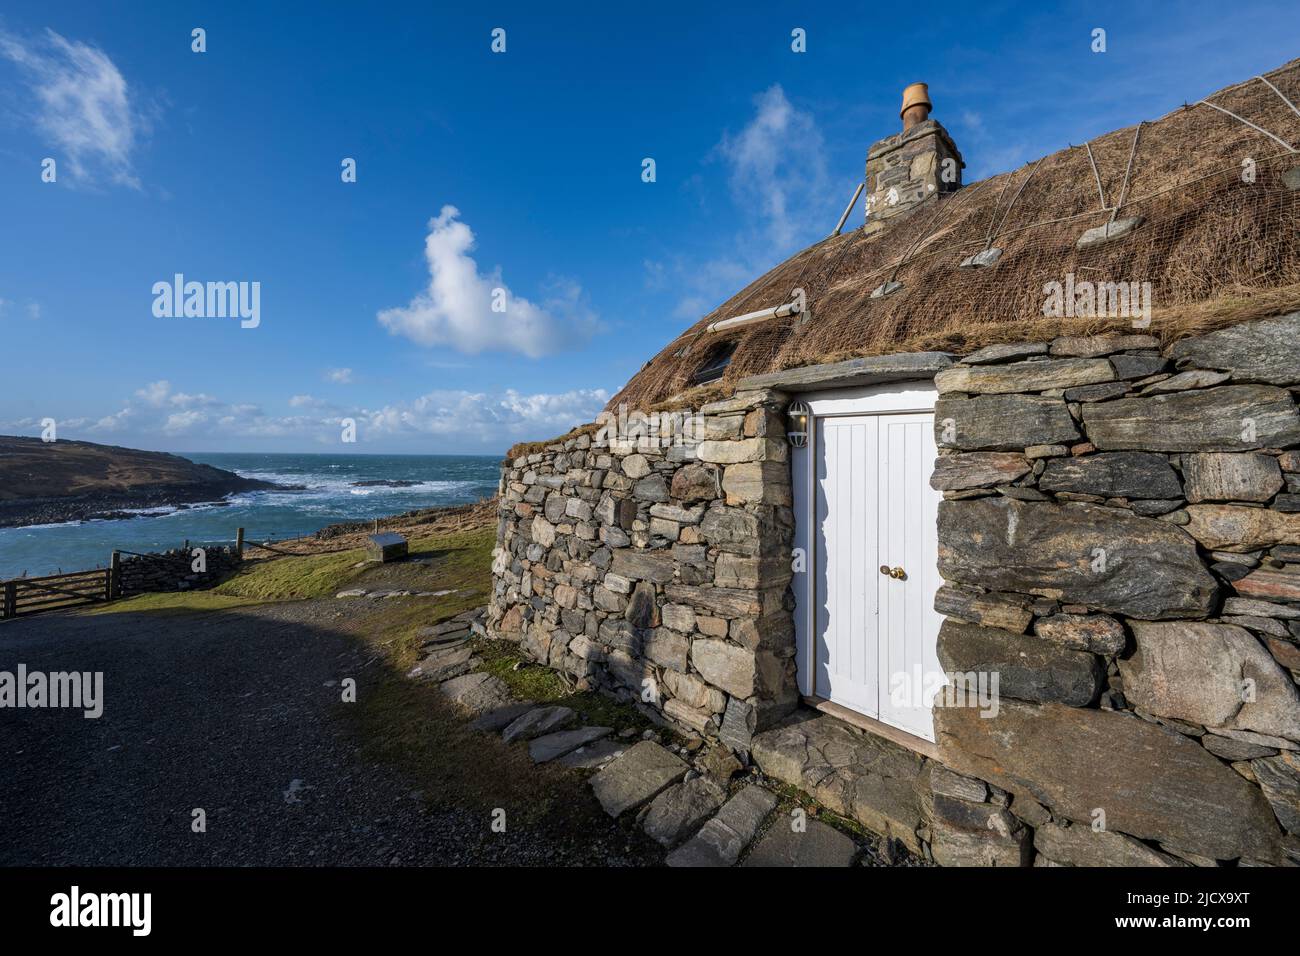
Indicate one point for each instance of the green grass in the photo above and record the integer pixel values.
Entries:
(458, 562)
(171, 602)
(530, 681)
(526, 680)
(789, 798)
(288, 579)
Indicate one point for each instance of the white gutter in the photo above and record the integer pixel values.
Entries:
(776, 312)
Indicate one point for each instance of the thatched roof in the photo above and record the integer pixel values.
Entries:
(1215, 247)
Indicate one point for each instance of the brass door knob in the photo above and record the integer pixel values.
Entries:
(896, 573)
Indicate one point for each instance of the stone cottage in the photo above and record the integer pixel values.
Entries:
(981, 522)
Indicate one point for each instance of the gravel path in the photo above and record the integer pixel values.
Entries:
(238, 712)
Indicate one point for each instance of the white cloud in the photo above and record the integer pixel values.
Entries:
(776, 169)
(992, 154)
(114, 422)
(655, 274)
(776, 175)
(460, 418)
(456, 309)
(82, 103)
(508, 415)
(340, 376)
(155, 393)
(182, 400)
(32, 308)
(705, 285)
(183, 423)
(159, 393)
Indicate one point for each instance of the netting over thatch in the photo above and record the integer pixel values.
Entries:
(1219, 242)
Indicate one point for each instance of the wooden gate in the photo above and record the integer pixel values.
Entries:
(52, 592)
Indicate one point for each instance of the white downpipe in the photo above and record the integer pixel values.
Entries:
(776, 312)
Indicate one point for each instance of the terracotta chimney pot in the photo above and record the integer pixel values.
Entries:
(916, 105)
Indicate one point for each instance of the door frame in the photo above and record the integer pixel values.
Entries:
(889, 398)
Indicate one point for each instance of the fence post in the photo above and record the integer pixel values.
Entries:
(113, 581)
(239, 542)
(10, 599)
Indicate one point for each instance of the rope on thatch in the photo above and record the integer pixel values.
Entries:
(1101, 195)
(1261, 129)
(803, 270)
(1123, 193)
(1280, 94)
(938, 217)
(993, 215)
(1177, 186)
(1032, 169)
(857, 234)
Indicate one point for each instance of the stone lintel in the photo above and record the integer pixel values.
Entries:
(869, 370)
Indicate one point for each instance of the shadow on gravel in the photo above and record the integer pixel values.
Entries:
(239, 714)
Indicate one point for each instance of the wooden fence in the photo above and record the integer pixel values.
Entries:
(53, 592)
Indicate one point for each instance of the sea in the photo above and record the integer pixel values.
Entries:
(330, 495)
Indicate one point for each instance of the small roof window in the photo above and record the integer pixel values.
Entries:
(715, 365)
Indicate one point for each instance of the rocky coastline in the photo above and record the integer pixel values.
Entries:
(63, 481)
(106, 506)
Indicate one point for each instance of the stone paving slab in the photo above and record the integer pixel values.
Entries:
(443, 663)
(593, 756)
(678, 812)
(854, 774)
(637, 777)
(433, 635)
(446, 627)
(495, 721)
(477, 693)
(722, 839)
(536, 723)
(819, 845)
(452, 638)
(551, 746)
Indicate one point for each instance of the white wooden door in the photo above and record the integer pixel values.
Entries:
(908, 625)
(847, 658)
(876, 633)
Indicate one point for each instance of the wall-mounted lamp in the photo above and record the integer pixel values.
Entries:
(797, 432)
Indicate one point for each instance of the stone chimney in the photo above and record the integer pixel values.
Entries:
(906, 169)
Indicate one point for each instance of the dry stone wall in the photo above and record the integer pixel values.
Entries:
(173, 570)
(1120, 541)
(658, 571)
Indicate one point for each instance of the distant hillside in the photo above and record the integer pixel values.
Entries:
(42, 482)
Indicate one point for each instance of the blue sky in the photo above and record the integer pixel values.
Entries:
(375, 304)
